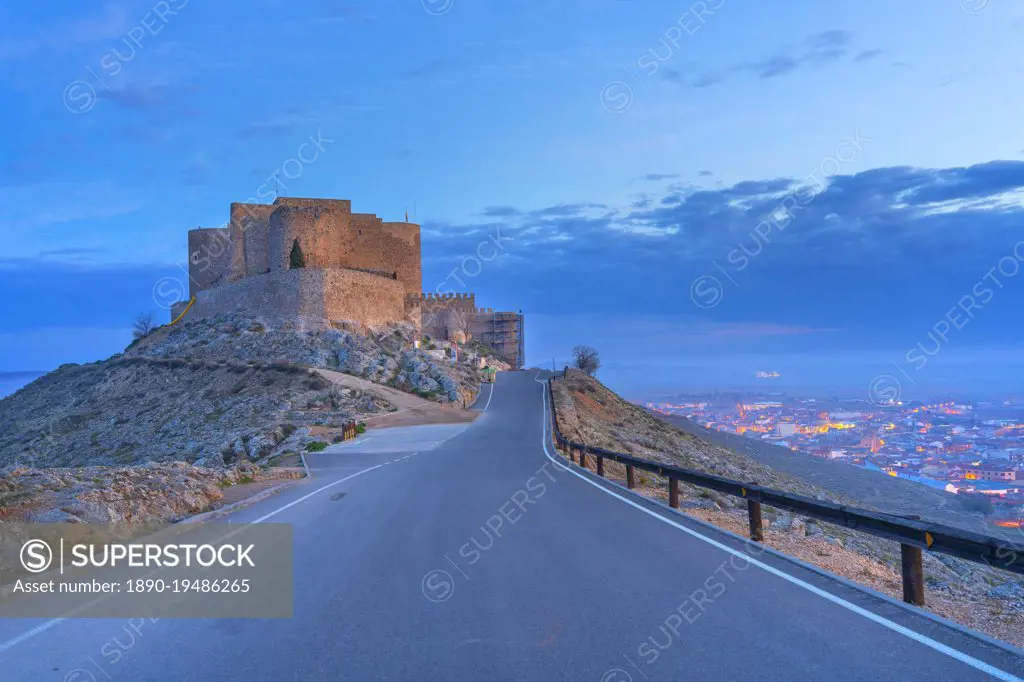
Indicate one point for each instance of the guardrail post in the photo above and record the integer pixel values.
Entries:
(756, 526)
(630, 477)
(583, 457)
(913, 574)
(673, 493)
(600, 465)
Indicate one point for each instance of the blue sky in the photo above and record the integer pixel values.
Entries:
(694, 188)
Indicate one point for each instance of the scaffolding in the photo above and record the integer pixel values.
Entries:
(506, 337)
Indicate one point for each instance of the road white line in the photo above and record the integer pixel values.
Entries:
(490, 394)
(9, 644)
(318, 490)
(885, 622)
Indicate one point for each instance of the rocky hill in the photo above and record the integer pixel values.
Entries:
(216, 393)
(142, 494)
(385, 356)
(973, 594)
(158, 432)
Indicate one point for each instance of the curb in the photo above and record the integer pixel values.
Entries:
(252, 499)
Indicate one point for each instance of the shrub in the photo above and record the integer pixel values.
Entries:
(316, 446)
(360, 428)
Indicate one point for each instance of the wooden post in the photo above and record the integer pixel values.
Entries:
(913, 575)
(630, 478)
(583, 458)
(673, 493)
(756, 526)
(600, 465)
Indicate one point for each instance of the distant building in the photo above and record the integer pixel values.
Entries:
(785, 429)
(991, 472)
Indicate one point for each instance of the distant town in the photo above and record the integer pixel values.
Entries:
(973, 449)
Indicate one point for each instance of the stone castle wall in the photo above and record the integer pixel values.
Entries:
(260, 239)
(319, 297)
(209, 258)
(249, 231)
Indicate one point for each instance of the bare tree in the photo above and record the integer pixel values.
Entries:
(143, 326)
(586, 359)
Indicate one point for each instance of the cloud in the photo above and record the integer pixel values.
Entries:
(658, 177)
(47, 204)
(159, 100)
(672, 76)
(268, 129)
(816, 49)
(752, 330)
(878, 254)
(425, 71)
(867, 55)
(500, 212)
(707, 80)
(112, 23)
(23, 172)
(827, 46)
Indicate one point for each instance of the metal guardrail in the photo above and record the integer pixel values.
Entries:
(913, 534)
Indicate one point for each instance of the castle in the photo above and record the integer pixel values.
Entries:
(316, 260)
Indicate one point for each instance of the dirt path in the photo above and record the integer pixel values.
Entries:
(412, 410)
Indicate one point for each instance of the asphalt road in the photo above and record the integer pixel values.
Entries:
(467, 553)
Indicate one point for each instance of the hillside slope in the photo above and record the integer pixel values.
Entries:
(869, 488)
(128, 411)
(219, 392)
(973, 594)
(199, 415)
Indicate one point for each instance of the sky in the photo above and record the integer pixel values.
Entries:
(699, 190)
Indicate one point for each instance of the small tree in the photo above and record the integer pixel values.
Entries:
(296, 260)
(143, 326)
(586, 359)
